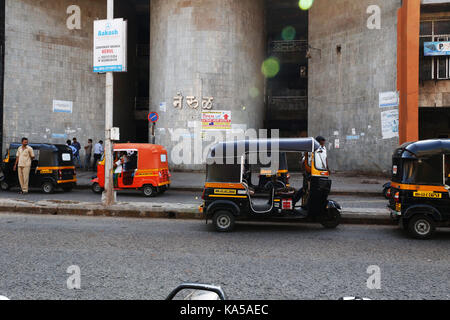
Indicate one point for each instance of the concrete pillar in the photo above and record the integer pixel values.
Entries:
(206, 48)
(408, 70)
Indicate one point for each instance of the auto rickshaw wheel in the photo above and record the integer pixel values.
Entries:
(4, 186)
(96, 188)
(224, 221)
(149, 191)
(48, 187)
(331, 219)
(421, 227)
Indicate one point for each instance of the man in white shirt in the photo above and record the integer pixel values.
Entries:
(321, 159)
(98, 151)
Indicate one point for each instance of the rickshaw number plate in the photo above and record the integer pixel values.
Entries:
(287, 204)
(398, 207)
(421, 194)
(225, 191)
(46, 171)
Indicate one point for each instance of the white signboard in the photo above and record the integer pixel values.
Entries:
(389, 124)
(62, 106)
(110, 45)
(388, 99)
(216, 120)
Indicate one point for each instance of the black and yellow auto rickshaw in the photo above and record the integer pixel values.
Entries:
(52, 168)
(419, 196)
(228, 198)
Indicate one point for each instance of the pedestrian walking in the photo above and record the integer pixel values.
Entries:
(77, 158)
(88, 154)
(98, 151)
(24, 157)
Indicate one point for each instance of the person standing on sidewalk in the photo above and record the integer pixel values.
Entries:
(98, 151)
(322, 157)
(88, 155)
(24, 156)
(77, 146)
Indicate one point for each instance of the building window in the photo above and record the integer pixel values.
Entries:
(434, 68)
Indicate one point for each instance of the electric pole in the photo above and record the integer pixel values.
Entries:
(108, 196)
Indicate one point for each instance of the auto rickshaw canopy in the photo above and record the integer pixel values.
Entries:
(149, 155)
(237, 149)
(426, 148)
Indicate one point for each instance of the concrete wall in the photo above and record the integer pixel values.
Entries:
(344, 87)
(46, 61)
(206, 48)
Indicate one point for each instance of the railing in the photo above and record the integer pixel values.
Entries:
(288, 46)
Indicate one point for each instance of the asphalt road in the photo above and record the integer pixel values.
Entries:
(171, 196)
(145, 258)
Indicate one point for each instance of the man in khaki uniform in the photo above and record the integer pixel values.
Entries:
(24, 156)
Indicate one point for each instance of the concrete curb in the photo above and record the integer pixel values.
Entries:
(166, 210)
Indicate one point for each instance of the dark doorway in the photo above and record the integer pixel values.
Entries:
(131, 89)
(434, 123)
(287, 92)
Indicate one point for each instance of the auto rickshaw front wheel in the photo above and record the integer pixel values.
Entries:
(4, 186)
(48, 187)
(96, 188)
(421, 227)
(331, 219)
(149, 191)
(224, 221)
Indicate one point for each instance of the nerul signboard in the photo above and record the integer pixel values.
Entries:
(110, 45)
(439, 48)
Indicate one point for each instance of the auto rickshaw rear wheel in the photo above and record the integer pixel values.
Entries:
(421, 226)
(149, 191)
(223, 221)
(331, 219)
(48, 187)
(4, 186)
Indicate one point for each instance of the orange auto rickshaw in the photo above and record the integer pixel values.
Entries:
(137, 166)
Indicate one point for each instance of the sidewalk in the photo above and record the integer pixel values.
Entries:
(343, 184)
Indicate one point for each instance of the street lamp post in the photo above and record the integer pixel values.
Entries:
(108, 196)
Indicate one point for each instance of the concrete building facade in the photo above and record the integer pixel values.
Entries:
(332, 63)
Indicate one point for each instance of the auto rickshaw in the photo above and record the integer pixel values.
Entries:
(145, 167)
(228, 198)
(419, 196)
(52, 168)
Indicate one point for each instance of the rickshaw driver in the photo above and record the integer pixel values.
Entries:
(118, 165)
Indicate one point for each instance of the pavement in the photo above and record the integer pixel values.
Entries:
(359, 196)
(126, 258)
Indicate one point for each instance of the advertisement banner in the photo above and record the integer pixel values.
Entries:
(388, 99)
(216, 120)
(110, 45)
(438, 48)
(389, 124)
